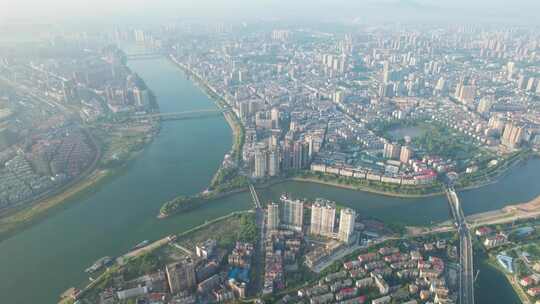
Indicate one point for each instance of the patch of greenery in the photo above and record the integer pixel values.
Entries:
(180, 203)
(442, 142)
(142, 265)
(248, 228)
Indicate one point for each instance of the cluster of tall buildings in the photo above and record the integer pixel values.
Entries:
(465, 93)
(127, 96)
(528, 83)
(393, 83)
(270, 159)
(289, 214)
(268, 151)
(335, 63)
(323, 218)
(281, 35)
(512, 135)
(398, 152)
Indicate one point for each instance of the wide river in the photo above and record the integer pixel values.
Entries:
(37, 264)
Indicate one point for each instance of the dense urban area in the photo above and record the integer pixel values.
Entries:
(378, 109)
(405, 111)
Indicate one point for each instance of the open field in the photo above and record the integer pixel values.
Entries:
(510, 213)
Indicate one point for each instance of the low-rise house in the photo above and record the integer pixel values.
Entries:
(494, 241)
(382, 300)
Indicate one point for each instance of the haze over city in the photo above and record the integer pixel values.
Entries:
(385, 10)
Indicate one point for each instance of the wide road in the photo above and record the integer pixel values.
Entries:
(259, 254)
(466, 277)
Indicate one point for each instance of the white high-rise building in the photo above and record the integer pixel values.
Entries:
(391, 150)
(273, 216)
(405, 154)
(261, 161)
(323, 215)
(386, 72)
(510, 69)
(484, 106)
(316, 215)
(328, 220)
(441, 84)
(273, 163)
(346, 224)
(292, 213)
(274, 116)
(512, 135)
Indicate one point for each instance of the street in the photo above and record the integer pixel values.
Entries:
(466, 277)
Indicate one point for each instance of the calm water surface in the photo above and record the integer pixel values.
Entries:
(401, 132)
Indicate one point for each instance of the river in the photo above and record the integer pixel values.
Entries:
(39, 263)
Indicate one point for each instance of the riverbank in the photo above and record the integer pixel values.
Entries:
(18, 219)
(365, 189)
(12, 221)
(490, 176)
(433, 190)
(511, 213)
(223, 183)
(203, 198)
(491, 262)
(23, 218)
(231, 118)
(193, 202)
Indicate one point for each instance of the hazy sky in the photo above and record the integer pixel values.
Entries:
(50, 10)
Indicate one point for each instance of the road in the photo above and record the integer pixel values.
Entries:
(255, 197)
(140, 251)
(259, 255)
(466, 277)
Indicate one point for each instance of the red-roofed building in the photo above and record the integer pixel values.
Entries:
(483, 231)
(529, 280)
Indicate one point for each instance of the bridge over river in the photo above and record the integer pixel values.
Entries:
(143, 56)
(182, 115)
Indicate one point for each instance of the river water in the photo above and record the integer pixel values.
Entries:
(37, 264)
